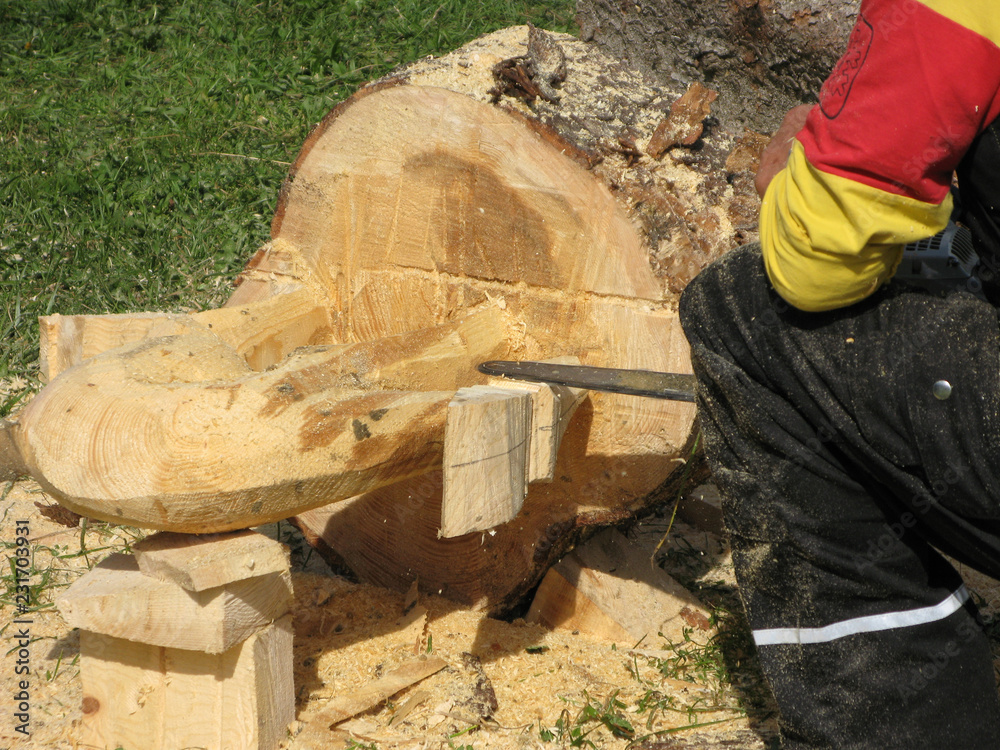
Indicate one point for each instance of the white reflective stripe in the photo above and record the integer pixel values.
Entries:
(870, 624)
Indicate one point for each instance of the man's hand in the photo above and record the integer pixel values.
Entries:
(775, 154)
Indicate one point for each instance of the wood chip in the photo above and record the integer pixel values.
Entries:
(369, 696)
(420, 697)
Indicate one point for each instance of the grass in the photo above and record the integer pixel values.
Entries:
(143, 144)
(49, 570)
(573, 729)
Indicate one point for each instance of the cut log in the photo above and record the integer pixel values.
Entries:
(179, 434)
(619, 450)
(485, 459)
(437, 220)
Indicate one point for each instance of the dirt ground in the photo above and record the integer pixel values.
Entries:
(507, 684)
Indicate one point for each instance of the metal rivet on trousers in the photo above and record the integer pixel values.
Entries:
(941, 390)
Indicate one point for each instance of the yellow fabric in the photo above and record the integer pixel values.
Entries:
(829, 241)
(980, 16)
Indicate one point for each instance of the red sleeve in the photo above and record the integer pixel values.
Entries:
(871, 171)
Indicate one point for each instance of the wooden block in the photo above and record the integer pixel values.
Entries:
(485, 458)
(262, 333)
(552, 407)
(609, 587)
(67, 340)
(116, 599)
(201, 562)
(559, 603)
(139, 696)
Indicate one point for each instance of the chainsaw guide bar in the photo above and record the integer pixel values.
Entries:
(667, 385)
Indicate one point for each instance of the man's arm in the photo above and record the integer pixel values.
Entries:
(775, 155)
(870, 169)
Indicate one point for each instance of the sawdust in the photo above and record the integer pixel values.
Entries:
(53, 689)
(533, 674)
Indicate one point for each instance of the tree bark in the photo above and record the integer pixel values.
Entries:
(762, 56)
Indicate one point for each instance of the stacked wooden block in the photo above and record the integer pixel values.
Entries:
(188, 643)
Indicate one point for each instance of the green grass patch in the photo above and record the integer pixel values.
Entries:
(51, 560)
(143, 144)
(573, 728)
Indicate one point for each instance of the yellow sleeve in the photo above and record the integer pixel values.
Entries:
(829, 241)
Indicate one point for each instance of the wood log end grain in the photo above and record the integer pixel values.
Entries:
(605, 108)
(585, 262)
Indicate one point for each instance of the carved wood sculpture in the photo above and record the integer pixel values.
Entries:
(421, 231)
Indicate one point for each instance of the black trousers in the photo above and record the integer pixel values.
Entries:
(842, 467)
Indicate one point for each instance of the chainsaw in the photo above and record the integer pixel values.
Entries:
(942, 263)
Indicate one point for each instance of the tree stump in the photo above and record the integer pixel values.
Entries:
(524, 197)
